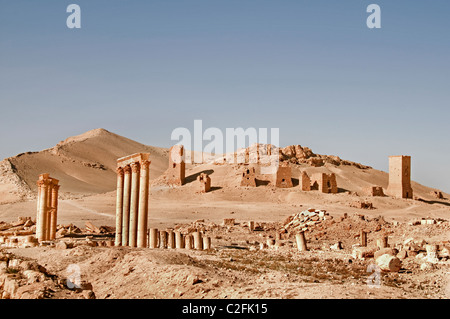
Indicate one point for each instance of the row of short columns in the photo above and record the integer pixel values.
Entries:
(132, 201)
(47, 208)
(176, 240)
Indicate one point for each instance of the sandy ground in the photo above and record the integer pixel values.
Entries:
(235, 267)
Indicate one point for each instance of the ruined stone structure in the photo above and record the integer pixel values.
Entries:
(437, 194)
(315, 162)
(248, 177)
(374, 191)
(132, 200)
(304, 182)
(326, 183)
(204, 183)
(47, 208)
(177, 167)
(400, 177)
(283, 177)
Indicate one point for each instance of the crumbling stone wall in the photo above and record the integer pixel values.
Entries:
(326, 183)
(283, 177)
(248, 177)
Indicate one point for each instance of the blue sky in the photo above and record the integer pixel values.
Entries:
(311, 68)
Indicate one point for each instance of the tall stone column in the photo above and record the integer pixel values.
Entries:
(134, 204)
(49, 210)
(38, 207)
(54, 211)
(143, 204)
(119, 206)
(42, 212)
(126, 204)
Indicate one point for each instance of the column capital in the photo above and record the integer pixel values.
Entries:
(127, 169)
(119, 171)
(43, 183)
(135, 167)
(145, 164)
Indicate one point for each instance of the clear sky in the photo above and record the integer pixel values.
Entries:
(311, 68)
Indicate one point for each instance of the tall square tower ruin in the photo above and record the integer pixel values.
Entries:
(283, 178)
(400, 177)
(248, 177)
(177, 167)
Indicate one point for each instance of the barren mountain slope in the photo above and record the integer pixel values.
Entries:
(84, 164)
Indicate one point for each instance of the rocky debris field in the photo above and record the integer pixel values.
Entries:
(248, 259)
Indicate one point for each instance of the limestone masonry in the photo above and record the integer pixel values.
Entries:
(400, 177)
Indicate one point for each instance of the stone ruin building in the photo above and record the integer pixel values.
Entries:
(400, 177)
(248, 177)
(305, 182)
(204, 183)
(47, 208)
(132, 200)
(283, 177)
(374, 191)
(177, 167)
(326, 183)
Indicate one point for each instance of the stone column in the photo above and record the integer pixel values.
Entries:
(363, 238)
(134, 203)
(206, 243)
(143, 205)
(119, 206)
(126, 204)
(154, 238)
(179, 240)
(49, 210)
(163, 239)
(54, 212)
(42, 212)
(382, 242)
(188, 242)
(301, 241)
(170, 239)
(198, 242)
(38, 208)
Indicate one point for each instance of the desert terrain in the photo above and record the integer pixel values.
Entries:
(236, 266)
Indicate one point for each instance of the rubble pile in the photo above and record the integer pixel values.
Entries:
(70, 230)
(23, 226)
(24, 279)
(304, 220)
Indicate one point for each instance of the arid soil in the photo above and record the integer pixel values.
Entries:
(235, 267)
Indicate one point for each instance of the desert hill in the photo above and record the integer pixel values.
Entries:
(84, 164)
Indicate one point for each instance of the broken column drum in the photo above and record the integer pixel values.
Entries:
(301, 241)
(154, 236)
(47, 208)
(132, 200)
